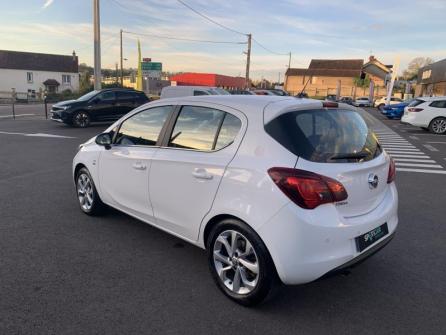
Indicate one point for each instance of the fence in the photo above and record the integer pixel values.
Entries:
(9, 97)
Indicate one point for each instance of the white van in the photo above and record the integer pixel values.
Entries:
(186, 91)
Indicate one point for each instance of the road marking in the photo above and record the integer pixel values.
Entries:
(422, 170)
(434, 166)
(430, 147)
(17, 115)
(414, 160)
(408, 156)
(414, 137)
(36, 135)
(402, 149)
(437, 142)
(405, 152)
(405, 147)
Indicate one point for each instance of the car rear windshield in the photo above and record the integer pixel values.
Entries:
(415, 102)
(325, 136)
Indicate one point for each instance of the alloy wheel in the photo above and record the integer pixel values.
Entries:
(85, 191)
(82, 119)
(439, 126)
(236, 262)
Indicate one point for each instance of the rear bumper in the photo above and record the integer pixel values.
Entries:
(307, 244)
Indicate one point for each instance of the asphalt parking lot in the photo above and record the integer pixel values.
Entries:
(62, 272)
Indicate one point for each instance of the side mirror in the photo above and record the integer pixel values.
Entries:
(104, 140)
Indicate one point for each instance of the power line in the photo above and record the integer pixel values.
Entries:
(182, 38)
(269, 50)
(209, 19)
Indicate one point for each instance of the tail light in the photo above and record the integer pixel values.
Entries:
(392, 171)
(330, 104)
(307, 189)
(413, 109)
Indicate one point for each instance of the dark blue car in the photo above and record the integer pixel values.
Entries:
(395, 111)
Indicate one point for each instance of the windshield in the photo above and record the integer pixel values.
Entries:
(88, 96)
(325, 136)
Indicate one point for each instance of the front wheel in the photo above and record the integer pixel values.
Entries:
(438, 126)
(240, 263)
(81, 119)
(87, 195)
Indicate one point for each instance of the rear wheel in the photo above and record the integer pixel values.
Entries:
(240, 263)
(88, 197)
(438, 126)
(81, 119)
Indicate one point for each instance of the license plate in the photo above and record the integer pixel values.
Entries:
(365, 240)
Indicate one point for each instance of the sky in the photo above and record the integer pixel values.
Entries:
(322, 29)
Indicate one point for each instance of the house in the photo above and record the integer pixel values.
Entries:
(32, 73)
(327, 76)
(431, 80)
(208, 79)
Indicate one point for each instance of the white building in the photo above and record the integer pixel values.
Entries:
(32, 73)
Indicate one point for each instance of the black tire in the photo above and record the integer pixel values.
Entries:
(438, 126)
(96, 206)
(380, 107)
(265, 280)
(81, 119)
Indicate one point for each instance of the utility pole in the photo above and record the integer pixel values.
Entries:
(289, 61)
(248, 61)
(122, 70)
(97, 46)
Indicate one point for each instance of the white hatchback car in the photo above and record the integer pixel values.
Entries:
(428, 113)
(272, 187)
(381, 102)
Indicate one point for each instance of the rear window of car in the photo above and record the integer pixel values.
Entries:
(438, 104)
(325, 136)
(415, 102)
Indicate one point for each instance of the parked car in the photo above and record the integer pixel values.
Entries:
(346, 100)
(272, 187)
(241, 92)
(331, 97)
(301, 95)
(187, 91)
(362, 102)
(278, 92)
(428, 113)
(381, 102)
(264, 92)
(395, 111)
(97, 106)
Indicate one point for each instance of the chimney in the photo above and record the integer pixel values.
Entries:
(74, 56)
(372, 58)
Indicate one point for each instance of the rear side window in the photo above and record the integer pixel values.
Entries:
(204, 129)
(415, 102)
(107, 96)
(438, 104)
(143, 128)
(325, 136)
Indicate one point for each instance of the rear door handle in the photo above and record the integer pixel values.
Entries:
(139, 166)
(200, 173)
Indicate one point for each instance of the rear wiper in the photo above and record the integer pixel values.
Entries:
(358, 155)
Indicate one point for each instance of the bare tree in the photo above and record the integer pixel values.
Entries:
(414, 65)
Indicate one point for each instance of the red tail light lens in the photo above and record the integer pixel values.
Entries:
(392, 171)
(307, 189)
(330, 104)
(413, 109)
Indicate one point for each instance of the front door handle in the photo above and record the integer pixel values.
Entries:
(139, 166)
(202, 174)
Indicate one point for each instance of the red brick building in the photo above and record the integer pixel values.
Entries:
(208, 79)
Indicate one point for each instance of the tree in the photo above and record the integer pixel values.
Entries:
(363, 83)
(414, 65)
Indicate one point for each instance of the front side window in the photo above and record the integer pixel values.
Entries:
(196, 128)
(143, 128)
(126, 96)
(325, 136)
(200, 93)
(107, 96)
(29, 77)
